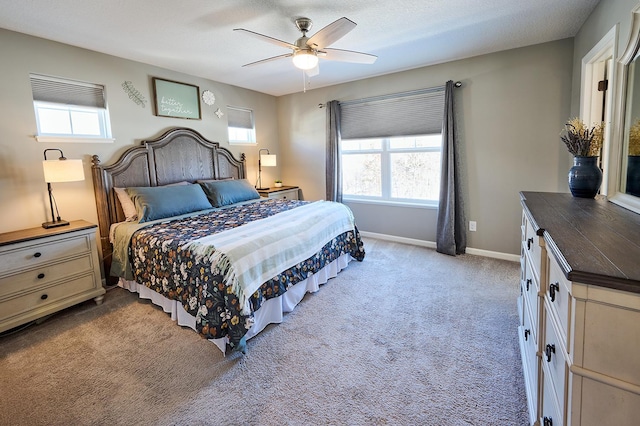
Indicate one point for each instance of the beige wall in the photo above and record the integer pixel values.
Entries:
(23, 194)
(511, 108)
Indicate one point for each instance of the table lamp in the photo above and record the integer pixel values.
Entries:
(60, 170)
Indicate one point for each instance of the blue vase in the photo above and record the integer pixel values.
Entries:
(585, 177)
(633, 175)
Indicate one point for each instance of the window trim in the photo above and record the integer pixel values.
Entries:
(251, 130)
(385, 152)
(93, 96)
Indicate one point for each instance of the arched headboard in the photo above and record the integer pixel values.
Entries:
(180, 154)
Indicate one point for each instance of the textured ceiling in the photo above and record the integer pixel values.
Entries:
(196, 36)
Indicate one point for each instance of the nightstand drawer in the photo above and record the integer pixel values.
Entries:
(45, 296)
(28, 255)
(41, 276)
(285, 195)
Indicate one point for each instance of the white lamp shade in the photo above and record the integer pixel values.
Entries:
(305, 59)
(63, 170)
(268, 160)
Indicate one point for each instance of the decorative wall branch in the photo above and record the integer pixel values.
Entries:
(134, 94)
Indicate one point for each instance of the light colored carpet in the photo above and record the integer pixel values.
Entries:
(407, 337)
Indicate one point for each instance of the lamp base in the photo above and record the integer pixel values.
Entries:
(54, 224)
(261, 189)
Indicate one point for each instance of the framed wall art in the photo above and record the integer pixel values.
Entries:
(174, 99)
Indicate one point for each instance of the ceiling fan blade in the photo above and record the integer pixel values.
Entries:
(267, 38)
(331, 33)
(347, 56)
(273, 58)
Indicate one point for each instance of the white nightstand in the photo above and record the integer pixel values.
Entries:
(45, 270)
(284, 192)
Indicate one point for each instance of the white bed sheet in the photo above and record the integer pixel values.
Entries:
(270, 312)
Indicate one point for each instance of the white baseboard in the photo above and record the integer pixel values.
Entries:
(432, 244)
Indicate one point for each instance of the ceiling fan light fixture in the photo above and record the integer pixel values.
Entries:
(305, 59)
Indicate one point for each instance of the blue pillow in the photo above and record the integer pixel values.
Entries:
(224, 192)
(158, 202)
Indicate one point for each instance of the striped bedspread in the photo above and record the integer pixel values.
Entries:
(258, 251)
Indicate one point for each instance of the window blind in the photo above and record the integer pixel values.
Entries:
(401, 114)
(67, 92)
(240, 117)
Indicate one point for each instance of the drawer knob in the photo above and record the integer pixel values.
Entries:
(40, 276)
(37, 254)
(550, 349)
(529, 243)
(527, 332)
(553, 288)
(528, 283)
(44, 296)
(547, 421)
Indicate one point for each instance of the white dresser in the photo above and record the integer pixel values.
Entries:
(579, 309)
(45, 270)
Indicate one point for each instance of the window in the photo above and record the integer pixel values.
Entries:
(391, 147)
(69, 110)
(395, 169)
(241, 125)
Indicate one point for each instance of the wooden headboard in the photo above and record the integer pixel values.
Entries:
(180, 154)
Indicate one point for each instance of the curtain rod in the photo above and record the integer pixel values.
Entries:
(395, 95)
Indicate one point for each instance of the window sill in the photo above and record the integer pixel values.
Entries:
(242, 143)
(73, 139)
(430, 206)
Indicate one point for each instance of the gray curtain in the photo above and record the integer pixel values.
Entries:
(451, 237)
(333, 167)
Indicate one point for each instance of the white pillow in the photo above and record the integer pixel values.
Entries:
(128, 208)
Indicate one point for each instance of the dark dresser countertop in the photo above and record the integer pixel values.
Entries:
(594, 241)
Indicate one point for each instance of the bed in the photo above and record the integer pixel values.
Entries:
(181, 225)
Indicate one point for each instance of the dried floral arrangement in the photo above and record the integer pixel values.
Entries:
(582, 141)
(634, 138)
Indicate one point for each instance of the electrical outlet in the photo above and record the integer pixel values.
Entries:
(472, 225)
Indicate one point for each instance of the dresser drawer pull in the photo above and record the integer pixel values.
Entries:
(40, 276)
(553, 288)
(528, 283)
(550, 349)
(37, 254)
(529, 243)
(44, 296)
(547, 421)
(527, 332)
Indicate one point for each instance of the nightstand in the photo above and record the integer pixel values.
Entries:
(45, 270)
(284, 192)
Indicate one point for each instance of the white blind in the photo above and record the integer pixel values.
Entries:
(67, 92)
(401, 114)
(240, 117)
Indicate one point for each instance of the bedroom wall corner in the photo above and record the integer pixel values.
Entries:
(22, 188)
(512, 107)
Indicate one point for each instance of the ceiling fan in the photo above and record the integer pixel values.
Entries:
(307, 50)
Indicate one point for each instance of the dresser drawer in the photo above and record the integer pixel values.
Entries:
(30, 254)
(551, 413)
(530, 368)
(43, 275)
(530, 288)
(559, 300)
(553, 357)
(532, 246)
(47, 295)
